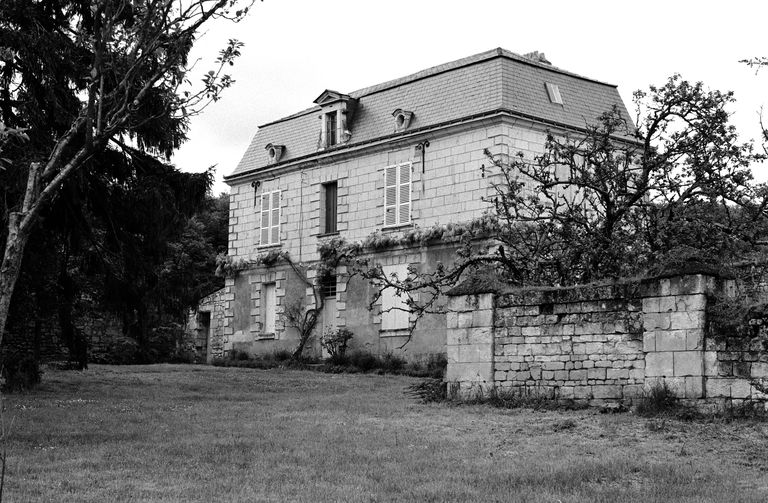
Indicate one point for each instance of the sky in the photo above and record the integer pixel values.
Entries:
(295, 49)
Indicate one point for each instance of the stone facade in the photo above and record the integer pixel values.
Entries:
(457, 114)
(598, 343)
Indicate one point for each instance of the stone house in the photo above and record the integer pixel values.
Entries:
(397, 156)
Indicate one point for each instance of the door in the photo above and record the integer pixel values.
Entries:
(203, 333)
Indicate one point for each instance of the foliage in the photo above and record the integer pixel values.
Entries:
(228, 266)
(746, 410)
(726, 317)
(535, 398)
(389, 363)
(280, 358)
(21, 372)
(93, 84)
(334, 341)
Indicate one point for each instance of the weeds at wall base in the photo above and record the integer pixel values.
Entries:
(435, 391)
(353, 363)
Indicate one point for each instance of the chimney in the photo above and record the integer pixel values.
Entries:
(538, 57)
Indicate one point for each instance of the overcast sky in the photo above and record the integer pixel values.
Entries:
(295, 49)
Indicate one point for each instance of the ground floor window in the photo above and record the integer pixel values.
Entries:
(268, 308)
(394, 308)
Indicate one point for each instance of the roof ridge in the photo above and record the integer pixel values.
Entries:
(466, 61)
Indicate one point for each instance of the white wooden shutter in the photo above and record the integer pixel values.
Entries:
(270, 308)
(270, 218)
(390, 195)
(397, 194)
(394, 308)
(404, 194)
(275, 223)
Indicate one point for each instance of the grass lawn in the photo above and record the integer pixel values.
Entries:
(197, 433)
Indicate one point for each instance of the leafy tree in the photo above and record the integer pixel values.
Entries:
(613, 201)
(82, 79)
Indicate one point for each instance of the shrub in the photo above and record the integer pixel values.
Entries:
(281, 355)
(657, 399)
(335, 341)
(237, 355)
(21, 372)
(364, 361)
(436, 365)
(392, 363)
(747, 409)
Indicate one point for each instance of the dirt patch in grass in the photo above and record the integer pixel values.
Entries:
(196, 433)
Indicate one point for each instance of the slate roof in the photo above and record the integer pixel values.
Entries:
(486, 82)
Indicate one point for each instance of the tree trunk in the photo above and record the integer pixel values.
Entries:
(11, 266)
(19, 227)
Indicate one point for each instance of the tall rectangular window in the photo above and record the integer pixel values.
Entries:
(328, 286)
(394, 308)
(397, 194)
(330, 207)
(268, 308)
(270, 218)
(331, 134)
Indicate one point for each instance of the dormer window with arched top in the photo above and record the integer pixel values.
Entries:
(402, 119)
(274, 152)
(336, 115)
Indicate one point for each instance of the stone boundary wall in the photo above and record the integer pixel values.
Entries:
(215, 340)
(603, 343)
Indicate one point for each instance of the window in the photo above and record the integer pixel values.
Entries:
(330, 203)
(328, 286)
(394, 309)
(268, 308)
(331, 133)
(554, 93)
(397, 194)
(270, 218)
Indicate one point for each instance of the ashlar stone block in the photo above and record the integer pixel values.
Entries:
(688, 363)
(659, 364)
(671, 340)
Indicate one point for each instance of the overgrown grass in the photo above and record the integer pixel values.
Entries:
(362, 361)
(656, 400)
(206, 434)
(352, 363)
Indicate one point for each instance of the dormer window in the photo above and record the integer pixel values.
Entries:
(402, 119)
(337, 114)
(274, 152)
(331, 129)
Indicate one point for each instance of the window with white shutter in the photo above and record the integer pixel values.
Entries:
(394, 307)
(270, 218)
(268, 308)
(397, 194)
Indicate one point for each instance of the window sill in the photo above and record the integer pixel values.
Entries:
(397, 227)
(266, 247)
(327, 235)
(265, 337)
(394, 332)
